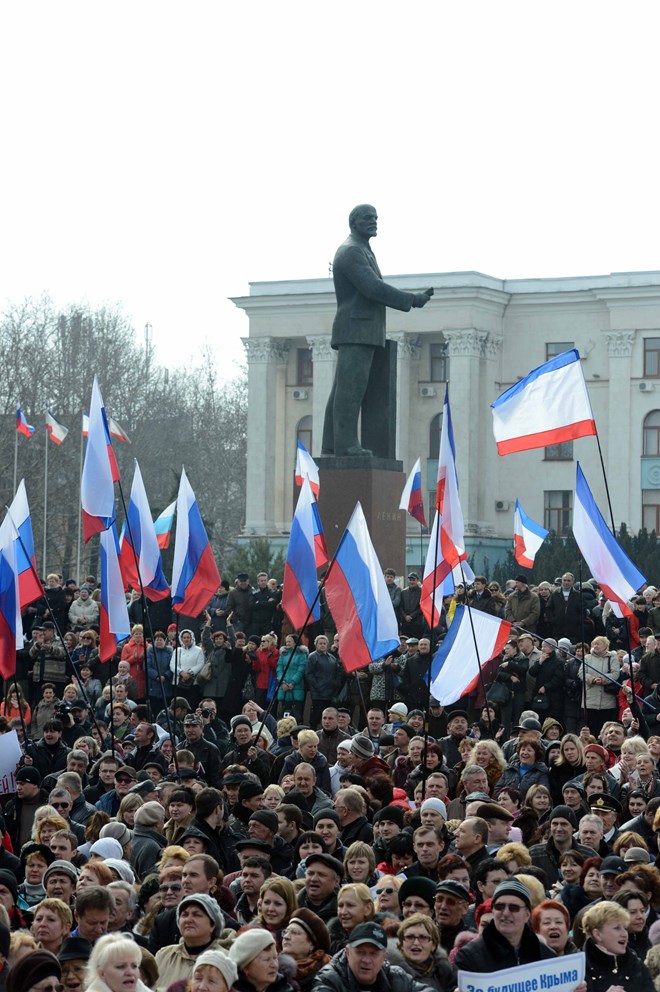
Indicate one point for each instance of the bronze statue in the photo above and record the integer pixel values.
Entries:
(358, 334)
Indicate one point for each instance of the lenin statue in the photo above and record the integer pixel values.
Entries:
(358, 333)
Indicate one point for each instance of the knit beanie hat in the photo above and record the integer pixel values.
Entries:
(118, 831)
(32, 969)
(362, 747)
(392, 813)
(566, 813)
(210, 907)
(419, 886)
(107, 847)
(122, 868)
(248, 945)
(218, 959)
(436, 804)
(8, 879)
(267, 818)
(511, 887)
(314, 927)
(61, 868)
(327, 814)
(248, 790)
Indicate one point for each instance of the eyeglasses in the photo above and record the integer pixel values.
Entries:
(387, 891)
(511, 907)
(51, 987)
(173, 886)
(61, 805)
(123, 781)
(408, 938)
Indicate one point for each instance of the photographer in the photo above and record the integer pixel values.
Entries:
(245, 752)
(49, 754)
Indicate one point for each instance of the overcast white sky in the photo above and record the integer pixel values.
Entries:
(166, 154)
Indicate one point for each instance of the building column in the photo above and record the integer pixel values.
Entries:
(324, 360)
(267, 359)
(618, 441)
(465, 348)
(408, 353)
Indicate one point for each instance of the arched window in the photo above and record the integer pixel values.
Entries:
(651, 434)
(304, 432)
(435, 429)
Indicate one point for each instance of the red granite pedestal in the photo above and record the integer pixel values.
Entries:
(377, 483)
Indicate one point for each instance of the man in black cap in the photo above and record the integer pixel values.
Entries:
(457, 725)
(508, 940)
(245, 752)
(206, 754)
(239, 602)
(452, 901)
(323, 874)
(263, 825)
(250, 797)
(20, 811)
(609, 810)
(412, 619)
(363, 965)
(523, 607)
(49, 754)
(546, 856)
(177, 710)
(499, 822)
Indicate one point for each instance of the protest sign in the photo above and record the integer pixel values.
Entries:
(558, 974)
(10, 755)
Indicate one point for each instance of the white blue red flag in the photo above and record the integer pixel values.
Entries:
(22, 425)
(358, 598)
(441, 572)
(140, 542)
(320, 547)
(528, 536)
(411, 497)
(113, 429)
(114, 623)
(610, 565)
(306, 466)
(300, 589)
(455, 666)
(100, 471)
(56, 430)
(163, 524)
(29, 586)
(195, 576)
(11, 627)
(549, 406)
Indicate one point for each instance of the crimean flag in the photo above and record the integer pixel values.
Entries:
(455, 666)
(300, 589)
(163, 524)
(100, 471)
(306, 466)
(22, 425)
(11, 627)
(610, 566)
(117, 431)
(56, 430)
(358, 598)
(114, 623)
(549, 406)
(141, 532)
(320, 546)
(411, 497)
(195, 576)
(29, 586)
(528, 537)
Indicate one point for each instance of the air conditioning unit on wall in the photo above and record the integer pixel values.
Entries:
(426, 391)
(300, 394)
(646, 387)
(501, 505)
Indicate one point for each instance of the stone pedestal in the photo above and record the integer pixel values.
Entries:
(377, 483)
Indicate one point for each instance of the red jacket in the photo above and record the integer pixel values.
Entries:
(133, 653)
(265, 662)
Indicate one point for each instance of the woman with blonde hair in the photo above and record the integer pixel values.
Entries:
(359, 863)
(273, 795)
(277, 901)
(514, 856)
(51, 924)
(114, 965)
(610, 964)
(46, 824)
(568, 766)
(387, 894)
(601, 666)
(489, 756)
(623, 770)
(128, 807)
(355, 905)
(419, 953)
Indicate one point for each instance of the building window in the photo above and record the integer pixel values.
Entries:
(304, 432)
(562, 452)
(435, 430)
(652, 357)
(557, 510)
(439, 371)
(304, 367)
(651, 510)
(554, 348)
(651, 434)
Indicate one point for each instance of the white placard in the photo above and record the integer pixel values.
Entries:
(10, 755)
(559, 974)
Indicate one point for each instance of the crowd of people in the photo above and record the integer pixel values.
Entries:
(222, 807)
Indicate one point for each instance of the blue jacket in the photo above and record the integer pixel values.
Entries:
(295, 673)
(158, 663)
(109, 803)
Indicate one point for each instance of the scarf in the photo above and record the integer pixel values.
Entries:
(312, 963)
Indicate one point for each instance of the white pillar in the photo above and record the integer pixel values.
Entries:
(266, 360)
(617, 441)
(408, 353)
(465, 348)
(323, 359)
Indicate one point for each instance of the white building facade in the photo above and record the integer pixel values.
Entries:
(479, 334)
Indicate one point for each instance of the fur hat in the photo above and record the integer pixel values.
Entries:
(314, 927)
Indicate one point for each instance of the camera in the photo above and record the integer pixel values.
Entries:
(207, 713)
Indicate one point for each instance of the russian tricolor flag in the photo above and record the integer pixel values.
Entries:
(610, 565)
(163, 525)
(411, 497)
(548, 406)
(22, 425)
(358, 598)
(140, 528)
(195, 575)
(320, 547)
(455, 667)
(528, 537)
(11, 628)
(100, 471)
(56, 430)
(306, 466)
(29, 586)
(300, 588)
(114, 623)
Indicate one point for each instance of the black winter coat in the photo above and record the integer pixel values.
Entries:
(338, 977)
(493, 952)
(549, 675)
(603, 970)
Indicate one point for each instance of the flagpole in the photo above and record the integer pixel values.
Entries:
(425, 770)
(476, 651)
(79, 544)
(607, 488)
(585, 712)
(20, 709)
(15, 460)
(45, 502)
(421, 549)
